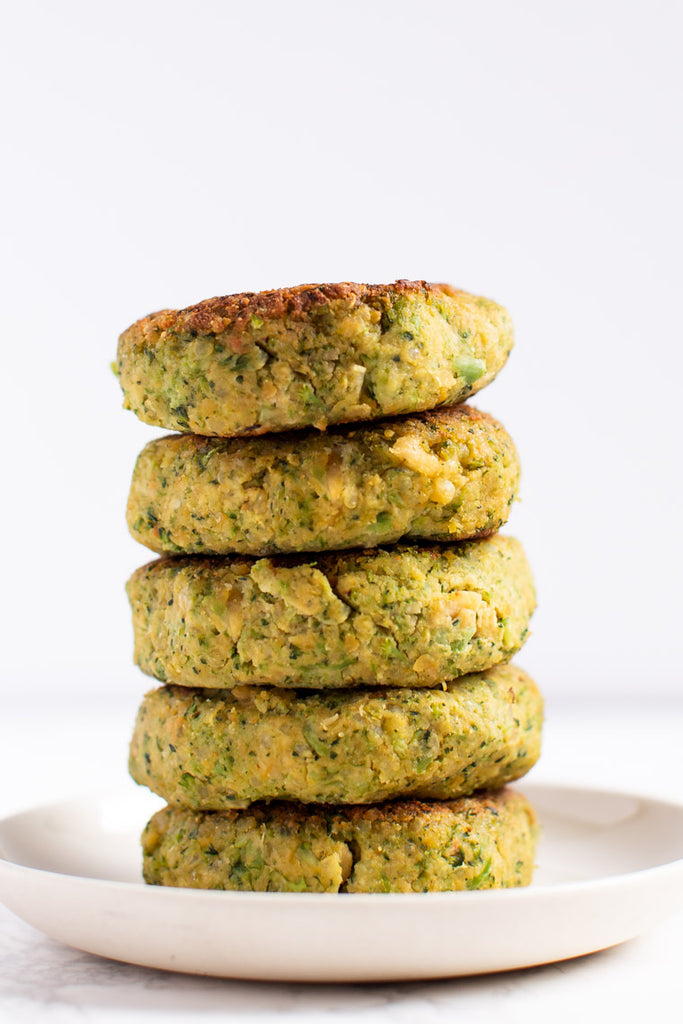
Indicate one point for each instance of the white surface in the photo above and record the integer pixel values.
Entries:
(158, 152)
(610, 866)
(628, 745)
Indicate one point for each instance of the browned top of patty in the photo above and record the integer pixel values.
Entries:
(398, 812)
(212, 316)
(329, 562)
(439, 421)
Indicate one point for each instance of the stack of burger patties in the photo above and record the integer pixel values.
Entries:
(333, 614)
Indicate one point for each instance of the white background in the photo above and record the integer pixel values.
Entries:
(157, 153)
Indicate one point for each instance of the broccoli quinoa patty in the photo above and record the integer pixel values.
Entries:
(213, 750)
(402, 616)
(446, 475)
(310, 356)
(485, 841)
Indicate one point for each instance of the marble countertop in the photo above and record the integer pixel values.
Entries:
(631, 746)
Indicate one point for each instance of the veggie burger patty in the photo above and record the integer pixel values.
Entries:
(310, 356)
(479, 842)
(221, 749)
(445, 475)
(402, 616)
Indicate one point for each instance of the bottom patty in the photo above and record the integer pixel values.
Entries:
(485, 841)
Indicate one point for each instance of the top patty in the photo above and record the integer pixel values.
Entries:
(312, 355)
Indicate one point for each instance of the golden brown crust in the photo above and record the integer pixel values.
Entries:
(212, 316)
(332, 559)
(403, 811)
(440, 420)
(290, 814)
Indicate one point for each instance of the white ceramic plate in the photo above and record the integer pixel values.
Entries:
(609, 867)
